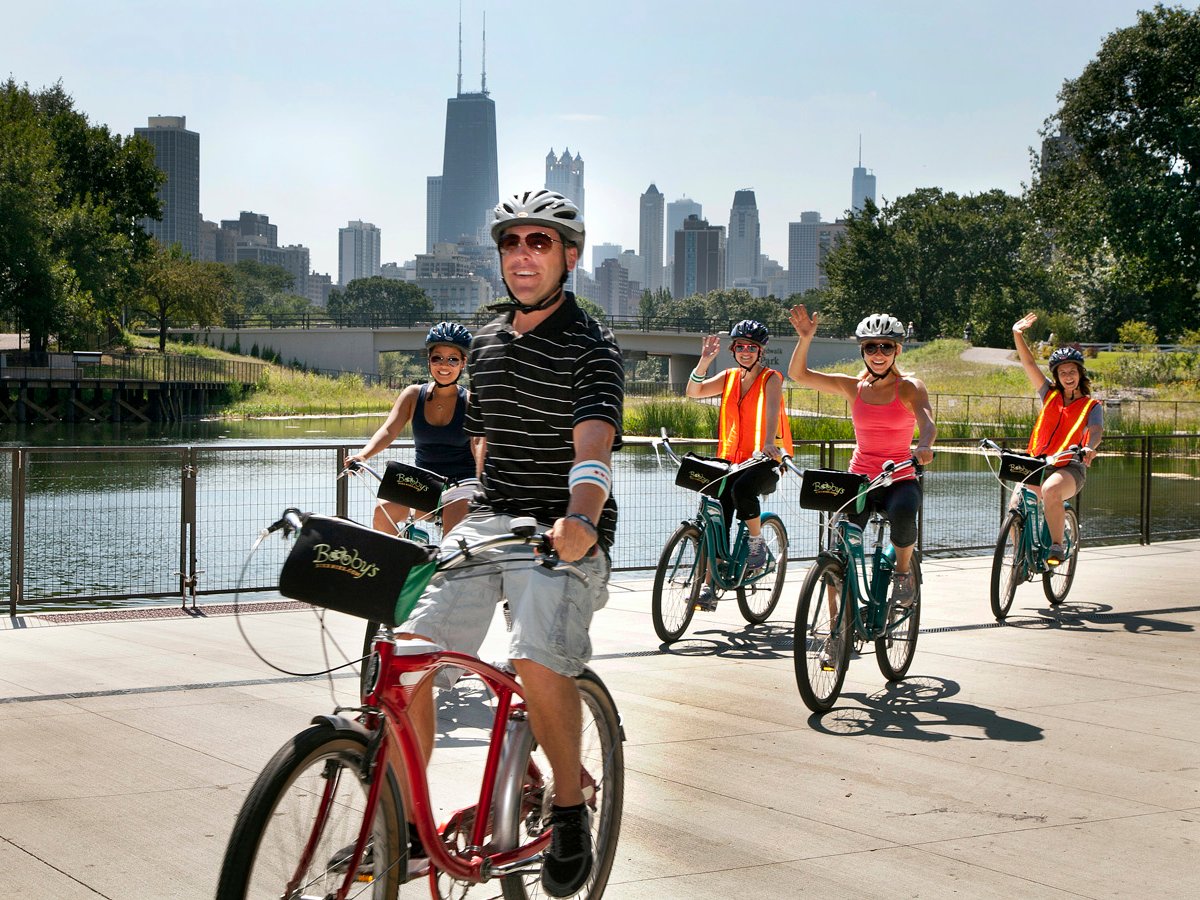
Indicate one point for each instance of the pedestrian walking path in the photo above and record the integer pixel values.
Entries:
(1057, 756)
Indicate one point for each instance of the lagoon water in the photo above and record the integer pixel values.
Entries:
(108, 521)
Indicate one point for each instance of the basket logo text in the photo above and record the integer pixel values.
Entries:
(343, 560)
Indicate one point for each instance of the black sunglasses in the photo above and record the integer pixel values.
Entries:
(885, 349)
(538, 242)
(437, 359)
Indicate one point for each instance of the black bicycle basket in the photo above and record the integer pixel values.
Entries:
(344, 566)
(830, 490)
(702, 473)
(411, 486)
(1025, 469)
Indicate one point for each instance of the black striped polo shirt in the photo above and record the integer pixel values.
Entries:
(528, 392)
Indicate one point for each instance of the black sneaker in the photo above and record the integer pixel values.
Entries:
(568, 862)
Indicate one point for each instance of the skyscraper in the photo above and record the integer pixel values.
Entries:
(358, 252)
(862, 185)
(699, 258)
(470, 181)
(744, 242)
(809, 242)
(433, 211)
(650, 237)
(177, 154)
(565, 175)
(677, 211)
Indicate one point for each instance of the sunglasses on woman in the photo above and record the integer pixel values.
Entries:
(538, 242)
(437, 359)
(744, 348)
(885, 349)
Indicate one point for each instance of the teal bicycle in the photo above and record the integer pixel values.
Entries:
(845, 601)
(1023, 545)
(699, 551)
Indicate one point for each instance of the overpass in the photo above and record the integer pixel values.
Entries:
(357, 349)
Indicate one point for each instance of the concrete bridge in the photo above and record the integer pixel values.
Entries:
(358, 349)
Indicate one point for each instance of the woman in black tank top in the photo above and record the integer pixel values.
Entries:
(436, 410)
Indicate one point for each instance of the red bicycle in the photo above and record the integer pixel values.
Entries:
(328, 816)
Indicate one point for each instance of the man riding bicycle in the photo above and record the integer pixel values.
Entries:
(547, 393)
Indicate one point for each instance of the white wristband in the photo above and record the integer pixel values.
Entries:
(591, 471)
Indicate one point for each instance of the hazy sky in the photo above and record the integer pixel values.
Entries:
(318, 113)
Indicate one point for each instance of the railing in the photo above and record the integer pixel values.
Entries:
(147, 367)
(101, 525)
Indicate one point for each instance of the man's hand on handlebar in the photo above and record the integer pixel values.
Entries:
(572, 538)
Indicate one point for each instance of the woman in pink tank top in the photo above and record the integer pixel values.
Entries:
(887, 407)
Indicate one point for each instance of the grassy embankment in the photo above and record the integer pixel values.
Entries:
(971, 399)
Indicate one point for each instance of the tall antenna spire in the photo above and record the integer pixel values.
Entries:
(459, 48)
(483, 85)
(860, 149)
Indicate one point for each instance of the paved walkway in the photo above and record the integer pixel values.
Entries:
(1057, 757)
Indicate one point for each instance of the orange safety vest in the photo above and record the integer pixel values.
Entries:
(1058, 426)
(736, 443)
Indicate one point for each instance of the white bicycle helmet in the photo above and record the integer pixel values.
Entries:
(541, 207)
(880, 325)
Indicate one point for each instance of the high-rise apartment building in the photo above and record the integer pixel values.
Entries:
(862, 185)
(358, 252)
(651, 221)
(744, 244)
(699, 258)
(677, 212)
(177, 154)
(564, 174)
(433, 211)
(809, 242)
(601, 252)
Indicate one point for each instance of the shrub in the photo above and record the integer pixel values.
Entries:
(1140, 333)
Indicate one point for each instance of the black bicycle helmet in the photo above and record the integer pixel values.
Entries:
(751, 330)
(449, 333)
(541, 207)
(1066, 354)
(880, 325)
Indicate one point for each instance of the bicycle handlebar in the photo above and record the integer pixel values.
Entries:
(1050, 459)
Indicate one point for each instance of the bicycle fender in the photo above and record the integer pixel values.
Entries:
(590, 674)
(341, 723)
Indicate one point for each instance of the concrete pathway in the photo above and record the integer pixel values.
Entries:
(1056, 757)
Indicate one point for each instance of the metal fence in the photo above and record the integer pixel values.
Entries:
(98, 526)
(155, 367)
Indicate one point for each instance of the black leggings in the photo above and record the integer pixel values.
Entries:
(899, 502)
(742, 491)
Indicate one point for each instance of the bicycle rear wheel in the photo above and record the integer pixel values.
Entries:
(822, 636)
(677, 582)
(603, 778)
(1008, 565)
(895, 650)
(1056, 582)
(301, 817)
(758, 600)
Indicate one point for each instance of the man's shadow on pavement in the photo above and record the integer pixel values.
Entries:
(750, 642)
(916, 709)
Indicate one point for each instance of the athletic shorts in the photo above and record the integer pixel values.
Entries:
(463, 490)
(551, 610)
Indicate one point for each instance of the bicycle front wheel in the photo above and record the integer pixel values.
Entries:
(822, 636)
(895, 650)
(603, 779)
(758, 600)
(301, 820)
(677, 583)
(1008, 565)
(1056, 582)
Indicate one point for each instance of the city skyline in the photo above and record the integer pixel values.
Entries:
(315, 119)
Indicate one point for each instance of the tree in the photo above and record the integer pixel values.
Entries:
(176, 288)
(941, 261)
(377, 299)
(74, 241)
(1118, 178)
